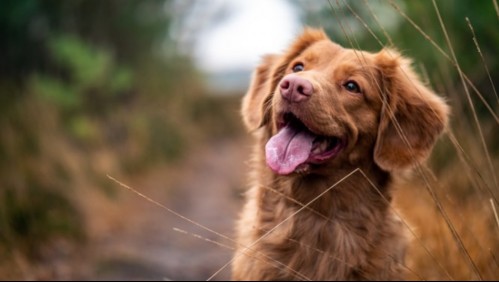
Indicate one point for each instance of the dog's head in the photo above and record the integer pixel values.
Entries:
(323, 105)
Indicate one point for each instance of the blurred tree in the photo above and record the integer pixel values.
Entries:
(78, 78)
(129, 29)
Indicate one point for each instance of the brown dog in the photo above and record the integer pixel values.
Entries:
(332, 127)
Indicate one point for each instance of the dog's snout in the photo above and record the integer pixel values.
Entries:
(295, 89)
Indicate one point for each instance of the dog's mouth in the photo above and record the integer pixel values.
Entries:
(295, 146)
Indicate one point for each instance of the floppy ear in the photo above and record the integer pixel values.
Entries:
(412, 116)
(256, 103)
(258, 94)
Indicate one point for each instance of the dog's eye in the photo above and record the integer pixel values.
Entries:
(352, 86)
(298, 67)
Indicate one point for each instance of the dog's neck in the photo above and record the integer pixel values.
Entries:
(336, 191)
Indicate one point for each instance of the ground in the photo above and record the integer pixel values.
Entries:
(134, 239)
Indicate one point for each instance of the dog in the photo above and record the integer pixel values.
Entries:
(332, 127)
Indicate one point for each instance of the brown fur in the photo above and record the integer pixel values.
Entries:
(350, 232)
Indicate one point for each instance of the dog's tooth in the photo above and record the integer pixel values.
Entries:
(320, 147)
(323, 146)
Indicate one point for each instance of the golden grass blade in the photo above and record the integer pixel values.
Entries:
(446, 217)
(427, 185)
(466, 226)
(482, 58)
(282, 222)
(168, 209)
(404, 138)
(407, 226)
(187, 219)
(197, 236)
(363, 22)
(466, 160)
(269, 188)
(388, 37)
(427, 37)
(468, 96)
(472, 263)
(496, 7)
(328, 219)
(402, 134)
(203, 238)
(495, 212)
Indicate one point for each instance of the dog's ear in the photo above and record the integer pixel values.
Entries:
(259, 93)
(412, 115)
(256, 103)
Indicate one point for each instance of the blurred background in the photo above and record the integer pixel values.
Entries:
(147, 93)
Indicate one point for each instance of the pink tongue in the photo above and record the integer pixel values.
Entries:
(288, 149)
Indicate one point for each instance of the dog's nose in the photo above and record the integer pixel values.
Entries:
(295, 89)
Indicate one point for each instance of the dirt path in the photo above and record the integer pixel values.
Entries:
(137, 240)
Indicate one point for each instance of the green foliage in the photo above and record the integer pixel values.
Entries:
(346, 21)
(75, 77)
(82, 128)
(217, 114)
(92, 83)
(29, 219)
(88, 69)
(88, 66)
(166, 141)
(55, 91)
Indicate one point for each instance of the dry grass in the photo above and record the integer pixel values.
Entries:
(450, 207)
(453, 220)
(436, 255)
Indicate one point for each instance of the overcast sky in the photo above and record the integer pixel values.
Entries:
(253, 28)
